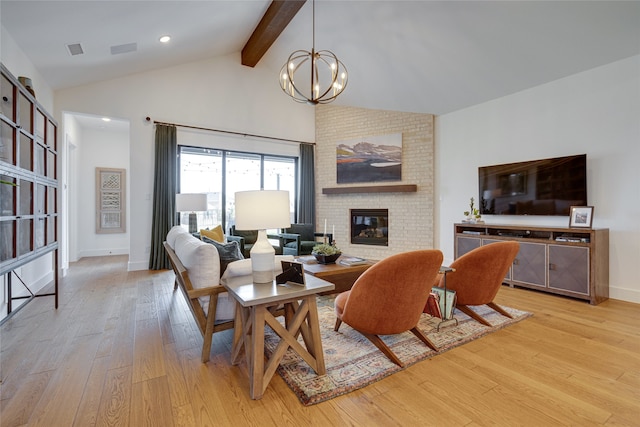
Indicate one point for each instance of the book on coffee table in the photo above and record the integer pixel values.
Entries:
(349, 261)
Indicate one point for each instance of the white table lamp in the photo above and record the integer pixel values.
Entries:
(260, 210)
(191, 202)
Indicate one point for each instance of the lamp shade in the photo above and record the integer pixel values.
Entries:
(262, 209)
(191, 202)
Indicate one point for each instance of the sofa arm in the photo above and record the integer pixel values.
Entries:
(240, 272)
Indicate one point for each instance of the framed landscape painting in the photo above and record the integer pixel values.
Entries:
(370, 159)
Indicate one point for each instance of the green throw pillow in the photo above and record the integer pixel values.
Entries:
(228, 252)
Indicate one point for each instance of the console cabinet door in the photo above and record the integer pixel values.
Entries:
(466, 244)
(569, 268)
(529, 267)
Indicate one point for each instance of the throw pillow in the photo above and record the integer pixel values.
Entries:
(216, 234)
(228, 252)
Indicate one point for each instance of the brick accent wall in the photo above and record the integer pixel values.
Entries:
(411, 215)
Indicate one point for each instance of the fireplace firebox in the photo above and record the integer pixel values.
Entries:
(370, 227)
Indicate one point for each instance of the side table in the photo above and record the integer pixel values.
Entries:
(253, 302)
(445, 320)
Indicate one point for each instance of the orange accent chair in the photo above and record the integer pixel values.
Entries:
(478, 276)
(389, 298)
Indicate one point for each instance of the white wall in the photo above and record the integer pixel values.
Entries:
(221, 141)
(19, 65)
(596, 112)
(104, 149)
(217, 93)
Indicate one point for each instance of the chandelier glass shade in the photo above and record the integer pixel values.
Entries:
(315, 77)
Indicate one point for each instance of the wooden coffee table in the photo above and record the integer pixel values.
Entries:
(343, 276)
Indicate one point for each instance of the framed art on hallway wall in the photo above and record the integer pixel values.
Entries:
(110, 200)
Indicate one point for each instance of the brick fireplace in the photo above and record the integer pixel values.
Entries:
(410, 214)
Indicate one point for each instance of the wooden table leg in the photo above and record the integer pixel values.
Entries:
(238, 335)
(304, 328)
(256, 350)
(314, 326)
(249, 334)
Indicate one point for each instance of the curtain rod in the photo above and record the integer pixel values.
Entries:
(229, 132)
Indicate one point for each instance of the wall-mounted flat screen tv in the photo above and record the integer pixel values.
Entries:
(536, 187)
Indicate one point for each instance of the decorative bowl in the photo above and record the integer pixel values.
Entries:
(326, 259)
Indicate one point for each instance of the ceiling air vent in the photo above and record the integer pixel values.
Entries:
(75, 49)
(124, 48)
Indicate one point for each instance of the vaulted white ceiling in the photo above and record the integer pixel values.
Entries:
(419, 56)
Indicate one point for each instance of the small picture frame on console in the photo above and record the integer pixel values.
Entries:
(581, 217)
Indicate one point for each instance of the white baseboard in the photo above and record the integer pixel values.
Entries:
(624, 294)
(137, 266)
(103, 252)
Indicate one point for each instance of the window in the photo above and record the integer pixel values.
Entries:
(201, 172)
(280, 174)
(220, 174)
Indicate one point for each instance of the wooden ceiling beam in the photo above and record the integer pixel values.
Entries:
(274, 21)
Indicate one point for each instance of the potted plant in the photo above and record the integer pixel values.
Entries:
(325, 253)
(473, 214)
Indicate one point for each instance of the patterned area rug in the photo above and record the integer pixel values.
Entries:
(353, 362)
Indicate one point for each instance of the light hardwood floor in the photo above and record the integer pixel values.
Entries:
(122, 349)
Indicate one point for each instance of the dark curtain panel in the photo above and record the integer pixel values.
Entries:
(307, 187)
(164, 194)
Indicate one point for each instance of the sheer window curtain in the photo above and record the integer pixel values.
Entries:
(164, 194)
(307, 187)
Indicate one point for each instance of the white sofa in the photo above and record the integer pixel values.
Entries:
(202, 263)
(196, 265)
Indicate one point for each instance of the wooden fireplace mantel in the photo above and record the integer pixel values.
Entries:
(407, 188)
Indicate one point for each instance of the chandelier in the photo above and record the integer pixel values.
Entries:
(315, 77)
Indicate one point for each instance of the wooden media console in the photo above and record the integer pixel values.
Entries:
(566, 261)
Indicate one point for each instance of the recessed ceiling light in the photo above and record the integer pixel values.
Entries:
(106, 119)
(165, 39)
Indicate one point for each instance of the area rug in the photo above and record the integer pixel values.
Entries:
(353, 362)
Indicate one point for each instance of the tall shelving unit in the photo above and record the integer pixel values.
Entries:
(29, 192)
